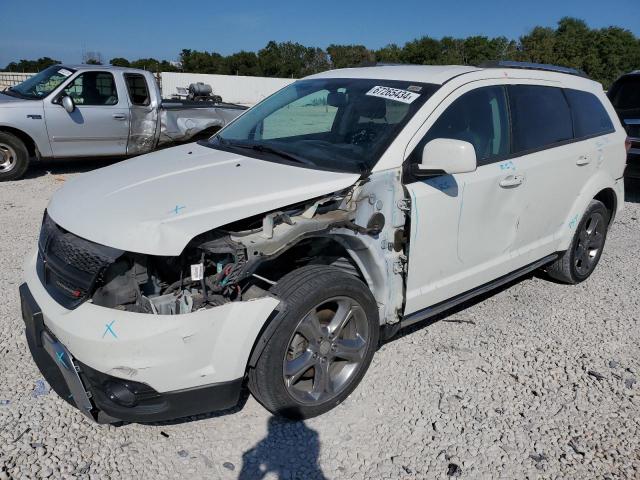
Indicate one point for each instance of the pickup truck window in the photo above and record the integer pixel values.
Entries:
(93, 88)
(137, 88)
(42, 84)
(334, 124)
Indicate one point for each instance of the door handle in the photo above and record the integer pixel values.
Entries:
(512, 181)
(119, 116)
(583, 160)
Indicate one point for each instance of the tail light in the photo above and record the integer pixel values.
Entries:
(627, 144)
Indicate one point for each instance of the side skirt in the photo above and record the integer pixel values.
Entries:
(434, 310)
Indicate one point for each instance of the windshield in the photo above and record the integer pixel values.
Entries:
(335, 124)
(42, 84)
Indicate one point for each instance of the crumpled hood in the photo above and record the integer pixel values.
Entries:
(156, 203)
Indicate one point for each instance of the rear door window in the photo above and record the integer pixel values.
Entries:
(589, 115)
(138, 90)
(479, 117)
(540, 117)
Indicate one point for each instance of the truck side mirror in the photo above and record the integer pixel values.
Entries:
(446, 156)
(68, 103)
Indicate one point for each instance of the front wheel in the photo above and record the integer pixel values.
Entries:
(323, 343)
(14, 157)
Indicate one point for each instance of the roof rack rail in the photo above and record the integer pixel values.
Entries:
(533, 66)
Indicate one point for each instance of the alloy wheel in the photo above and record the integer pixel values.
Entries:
(590, 243)
(326, 350)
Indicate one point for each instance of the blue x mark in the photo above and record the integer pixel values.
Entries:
(109, 329)
(177, 209)
(60, 356)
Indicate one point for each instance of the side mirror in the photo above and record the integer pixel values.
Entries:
(446, 156)
(68, 103)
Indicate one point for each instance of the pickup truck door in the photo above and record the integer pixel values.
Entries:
(144, 107)
(464, 226)
(100, 123)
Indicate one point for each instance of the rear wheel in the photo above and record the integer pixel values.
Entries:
(580, 260)
(322, 346)
(14, 157)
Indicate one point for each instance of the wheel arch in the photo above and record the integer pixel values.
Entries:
(351, 261)
(28, 141)
(600, 187)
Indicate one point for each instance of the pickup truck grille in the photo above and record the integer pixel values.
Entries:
(69, 266)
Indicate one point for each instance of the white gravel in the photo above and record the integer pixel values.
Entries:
(535, 380)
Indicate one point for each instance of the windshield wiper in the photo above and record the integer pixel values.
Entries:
(267, 149)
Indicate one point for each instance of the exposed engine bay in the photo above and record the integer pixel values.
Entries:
(359, 230)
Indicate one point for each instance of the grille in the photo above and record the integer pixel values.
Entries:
(69, 266)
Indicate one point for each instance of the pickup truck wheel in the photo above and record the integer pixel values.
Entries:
(14, 157)
(580, 260)
(324, 341)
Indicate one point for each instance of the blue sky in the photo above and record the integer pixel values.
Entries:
(162, 28)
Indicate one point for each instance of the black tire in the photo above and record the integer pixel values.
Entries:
(14, 157)
(309, 289)
(579, 261)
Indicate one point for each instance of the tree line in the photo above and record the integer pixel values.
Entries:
(603, 54)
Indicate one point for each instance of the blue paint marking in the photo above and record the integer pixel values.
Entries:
(60, 358)
(109, 329)
(573, 222)
(507, 166)
(177, 209)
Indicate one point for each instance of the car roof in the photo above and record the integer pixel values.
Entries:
(437, 74)
(441, 74)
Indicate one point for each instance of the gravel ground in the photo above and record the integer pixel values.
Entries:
(535, 380)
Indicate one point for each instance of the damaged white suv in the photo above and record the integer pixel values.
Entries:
(278, 253)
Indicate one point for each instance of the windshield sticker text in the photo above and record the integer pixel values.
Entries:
(396, 94)
(64, 72)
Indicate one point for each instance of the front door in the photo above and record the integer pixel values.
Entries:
(464, 226)
(100, 123)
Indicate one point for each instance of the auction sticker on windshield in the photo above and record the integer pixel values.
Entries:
(64, 72)
(396, 94)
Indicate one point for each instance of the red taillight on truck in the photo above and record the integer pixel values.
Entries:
(627, 144)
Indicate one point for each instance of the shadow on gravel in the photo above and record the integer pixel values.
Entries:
(275, 454)
(66, 166)
(632, 190)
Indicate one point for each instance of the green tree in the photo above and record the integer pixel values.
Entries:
(345, 56)
(119, 62)
(31, 66)
(243, 63)
(422, 51)
(390, 53)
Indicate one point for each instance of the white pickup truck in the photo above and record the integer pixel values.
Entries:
(95, 110)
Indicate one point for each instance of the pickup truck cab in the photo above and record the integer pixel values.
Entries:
(94, 110)
(344, 207)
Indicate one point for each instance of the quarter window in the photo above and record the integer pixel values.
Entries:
(540, 115)
(589, 115)
(478, 117)
(137, 87)
(93, 88)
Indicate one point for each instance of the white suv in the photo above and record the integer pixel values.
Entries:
(278, 253)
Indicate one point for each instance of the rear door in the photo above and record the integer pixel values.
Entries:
(143, 114)
(100, 123)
